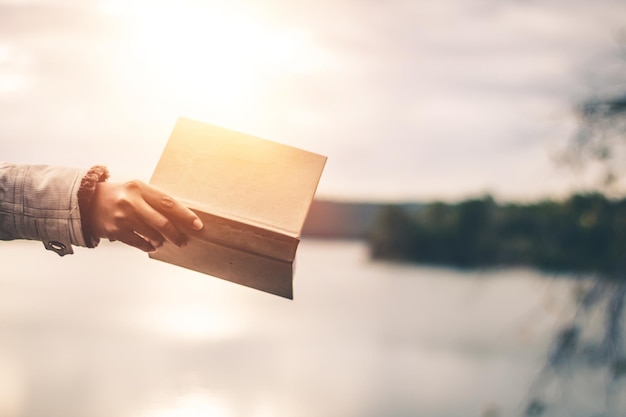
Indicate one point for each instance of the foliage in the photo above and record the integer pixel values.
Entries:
(597, 148)
(585, 233)
(598, 145)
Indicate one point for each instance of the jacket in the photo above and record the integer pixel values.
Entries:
(40, 202)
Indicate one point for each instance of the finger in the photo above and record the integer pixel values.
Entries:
(148, 233)
(133, 239)
(153, 219)
(173, 209)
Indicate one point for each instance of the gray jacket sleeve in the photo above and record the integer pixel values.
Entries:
(40, 202)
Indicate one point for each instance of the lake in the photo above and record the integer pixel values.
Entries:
(109, 332)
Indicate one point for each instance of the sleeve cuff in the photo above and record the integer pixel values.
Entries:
(86, 192)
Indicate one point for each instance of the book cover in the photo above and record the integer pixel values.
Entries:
(253, 196)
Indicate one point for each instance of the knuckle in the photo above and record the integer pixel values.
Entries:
(133, 185)
(167, 202)
(124, 200)
(116, 226)
(162, 223)
(119, 217)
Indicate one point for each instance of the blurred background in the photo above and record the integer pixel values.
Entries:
(463, 255)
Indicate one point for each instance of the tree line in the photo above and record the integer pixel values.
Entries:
(584, 233)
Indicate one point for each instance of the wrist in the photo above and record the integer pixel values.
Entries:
(86, 193)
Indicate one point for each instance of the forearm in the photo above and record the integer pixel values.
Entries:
(68, 206)
(40, 202)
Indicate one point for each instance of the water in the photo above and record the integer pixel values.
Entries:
(109, 332)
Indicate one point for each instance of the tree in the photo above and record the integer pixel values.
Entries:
(597, 147)
(599, 144)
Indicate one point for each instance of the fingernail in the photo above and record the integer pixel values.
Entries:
(197, 224)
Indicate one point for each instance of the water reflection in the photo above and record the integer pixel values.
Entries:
(196, 403)
(12, 387)
(85, 336)
(192, 323)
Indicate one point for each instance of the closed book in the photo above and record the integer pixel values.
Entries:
(252, 195)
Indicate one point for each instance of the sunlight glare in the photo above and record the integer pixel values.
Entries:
(11, 83)
(4, 53)
(213, 56)
(193, 404)
(11, 78)
(194, 323)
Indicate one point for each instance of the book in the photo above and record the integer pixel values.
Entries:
(253, 196)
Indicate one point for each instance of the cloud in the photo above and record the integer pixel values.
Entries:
(36, 19)
(409, 98)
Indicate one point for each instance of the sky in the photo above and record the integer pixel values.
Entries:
(410, 100)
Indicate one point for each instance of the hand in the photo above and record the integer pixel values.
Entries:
(140, 215)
